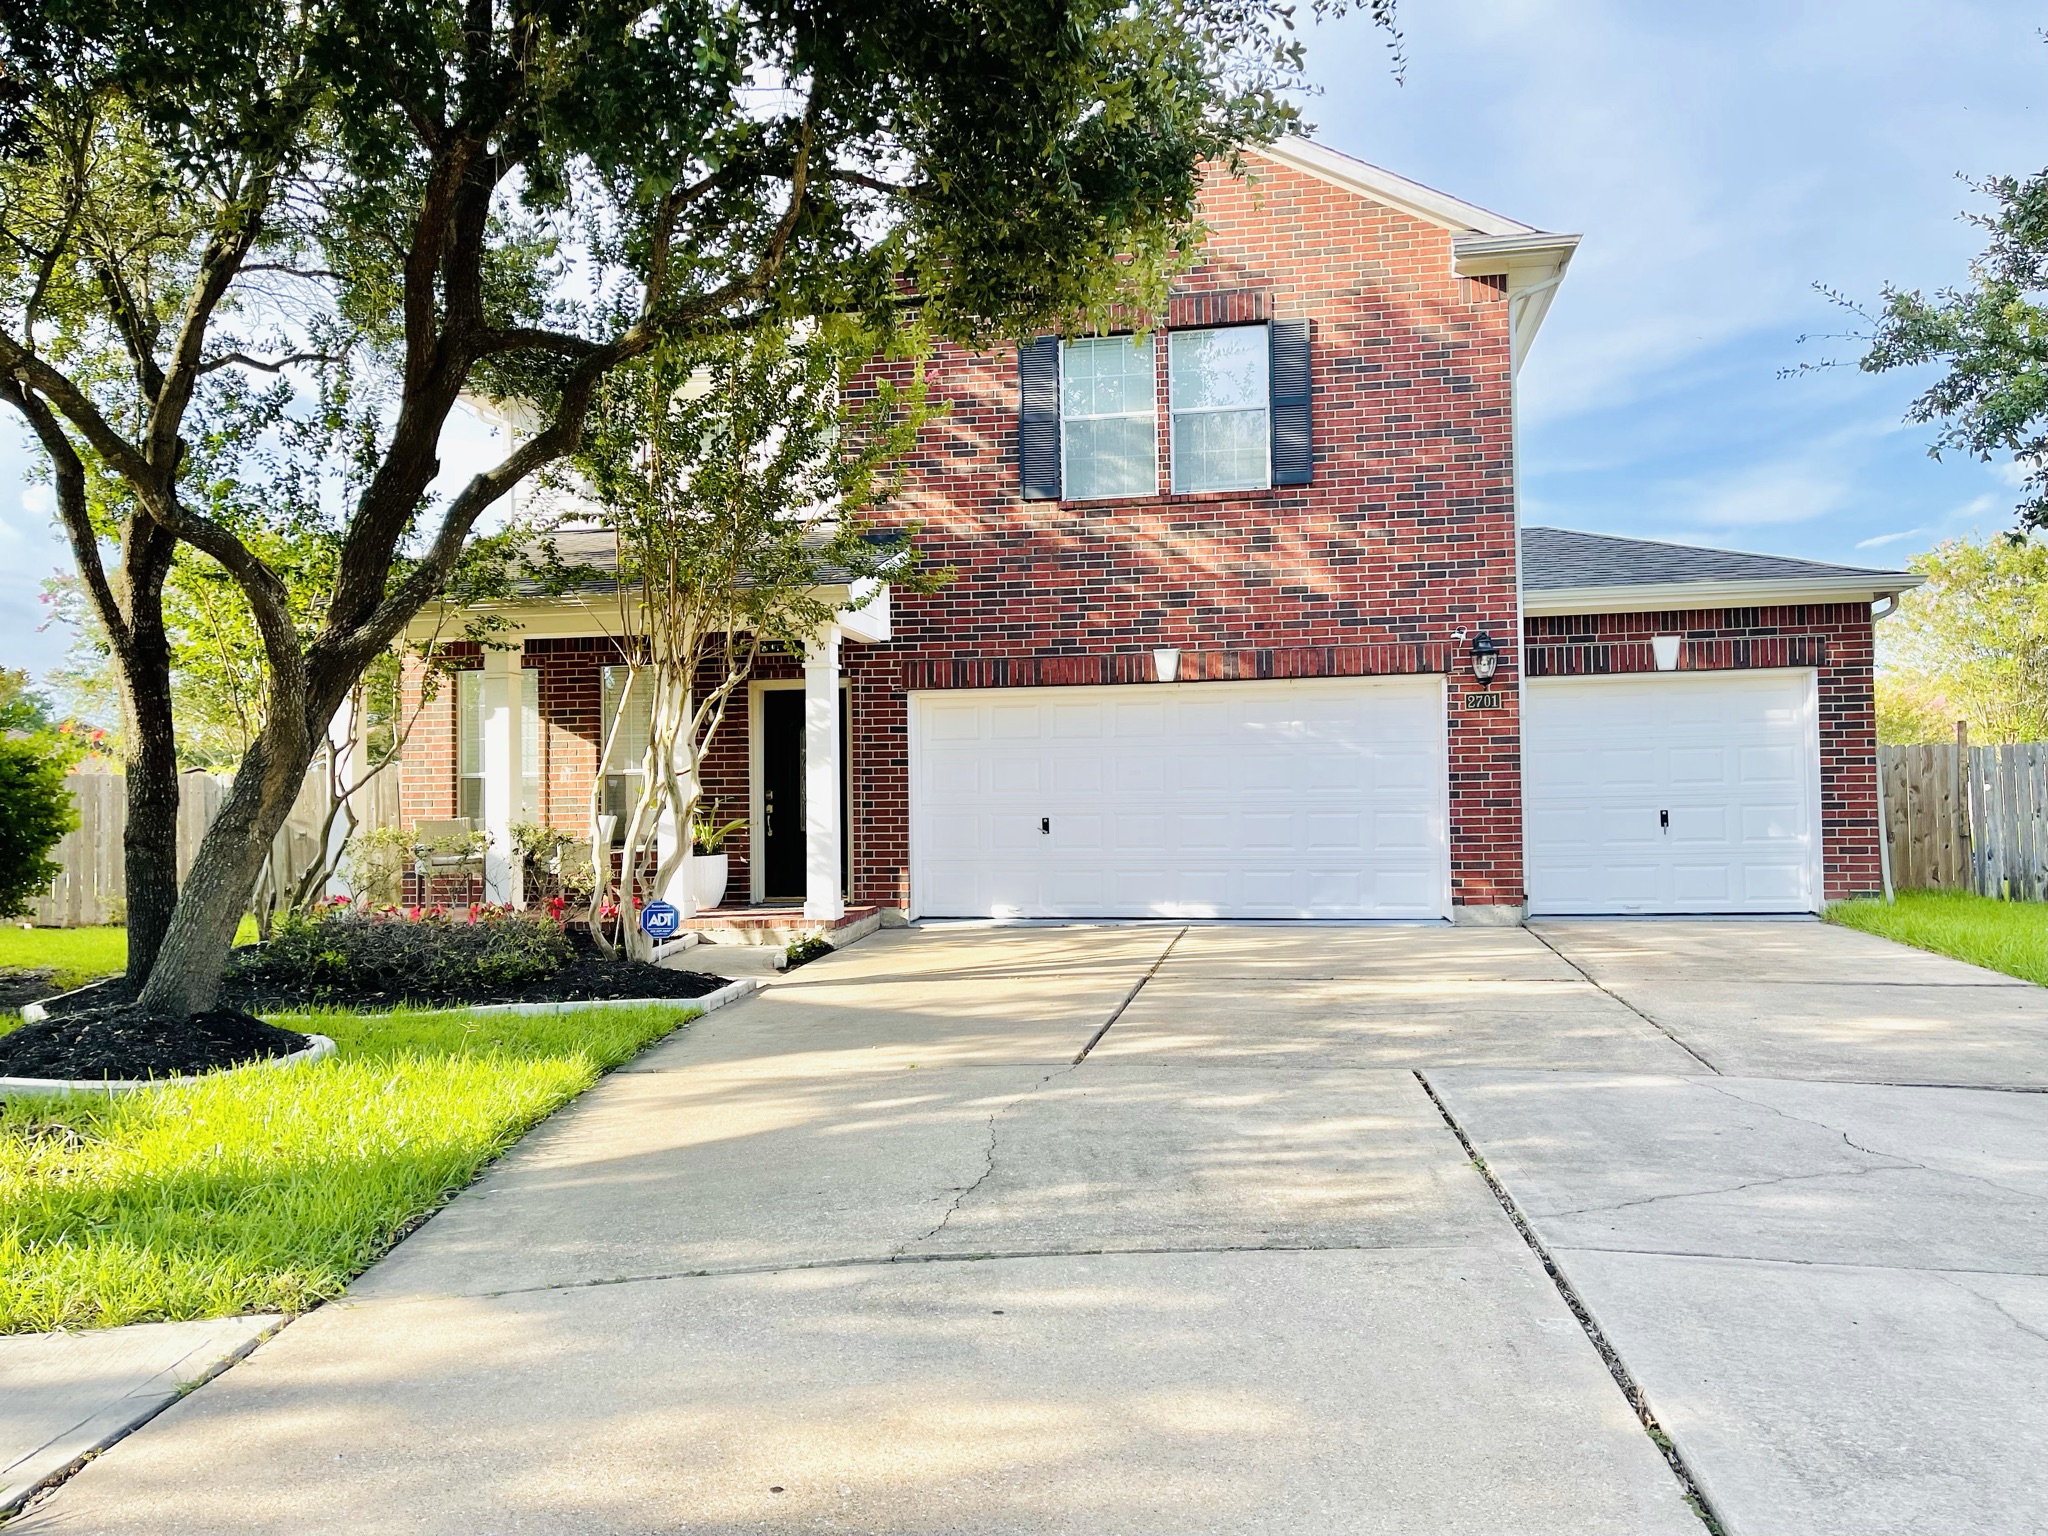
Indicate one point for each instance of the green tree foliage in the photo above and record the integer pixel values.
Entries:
(1970, 643)
(22, 705)
(253, 252)
(1992, 337)
(35, 811)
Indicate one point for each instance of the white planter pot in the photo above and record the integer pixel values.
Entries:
(707, 879)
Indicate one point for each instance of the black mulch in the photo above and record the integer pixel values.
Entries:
(583, 978)
(127, 1042)
(19, 987)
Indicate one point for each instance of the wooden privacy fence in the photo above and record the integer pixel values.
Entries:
(93, 886)
(1968, 818)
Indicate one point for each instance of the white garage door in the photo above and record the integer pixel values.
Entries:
(1279, 799)
(1673, 792)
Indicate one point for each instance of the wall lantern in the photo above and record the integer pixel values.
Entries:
(1165, 665)
(1485, 658)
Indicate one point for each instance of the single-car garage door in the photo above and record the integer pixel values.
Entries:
(1672, 792)
(1321, 798)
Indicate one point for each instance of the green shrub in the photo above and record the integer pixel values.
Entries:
(377, 862)
(35, 811)
(335, 953)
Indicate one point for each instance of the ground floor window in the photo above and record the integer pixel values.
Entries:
(622, 783)
(469, 741)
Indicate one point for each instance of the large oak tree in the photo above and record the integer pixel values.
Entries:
(375, 207)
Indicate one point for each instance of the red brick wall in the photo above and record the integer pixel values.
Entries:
(1833, 638)
(1405, 536)
(426, 771)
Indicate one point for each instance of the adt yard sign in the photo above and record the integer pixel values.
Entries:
(660, 920)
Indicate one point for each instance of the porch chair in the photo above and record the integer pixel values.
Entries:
(426, 865)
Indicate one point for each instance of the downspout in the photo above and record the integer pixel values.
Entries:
(1884, 822)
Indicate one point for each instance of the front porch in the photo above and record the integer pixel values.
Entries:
(517, 736)
(780, 924)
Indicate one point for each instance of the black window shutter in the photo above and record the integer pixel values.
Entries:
(1038, 419)
(1294, 447)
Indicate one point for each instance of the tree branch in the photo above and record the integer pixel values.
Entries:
(34, 377)
(227, 359)
(69, 472)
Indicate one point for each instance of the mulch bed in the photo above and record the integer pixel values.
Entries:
(31, 986)
(125, 1042)
(586, 978)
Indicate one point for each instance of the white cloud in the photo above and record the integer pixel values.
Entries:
(1889, 538)
(38, 499)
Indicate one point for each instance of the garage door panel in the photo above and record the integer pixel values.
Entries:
(953, 723)
(1008, 832)
(1731, 757)
(1769, 765)
(1076, 775)
(1276, 799)
(1014, 776)
(1140, 775)
(1698, 767)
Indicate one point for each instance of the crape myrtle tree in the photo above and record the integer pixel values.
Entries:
(382, 205)
(737, 479)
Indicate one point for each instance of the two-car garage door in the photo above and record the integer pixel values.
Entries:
(1672, 793)
(1285, 799)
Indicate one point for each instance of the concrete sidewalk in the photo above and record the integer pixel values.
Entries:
(871, 1252)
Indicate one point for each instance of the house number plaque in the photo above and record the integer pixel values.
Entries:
(1483, 700)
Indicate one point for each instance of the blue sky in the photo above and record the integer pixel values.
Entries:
(1719, 160)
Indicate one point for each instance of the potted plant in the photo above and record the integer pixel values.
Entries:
(708, 868)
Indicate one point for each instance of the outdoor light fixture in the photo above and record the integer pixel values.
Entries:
(1166, 664)
(1485, 657)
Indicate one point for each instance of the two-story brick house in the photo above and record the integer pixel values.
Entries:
(1244, 626)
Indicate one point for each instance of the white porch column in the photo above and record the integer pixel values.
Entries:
(503, 771)
(824, 900)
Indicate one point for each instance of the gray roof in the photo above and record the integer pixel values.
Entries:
(1554, 559)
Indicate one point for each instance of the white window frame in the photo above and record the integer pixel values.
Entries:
(469, 710)
(469, 744)
(1151, 417)
(643, 696)
(1174, 413)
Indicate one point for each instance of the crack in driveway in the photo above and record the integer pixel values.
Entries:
(989, 1165)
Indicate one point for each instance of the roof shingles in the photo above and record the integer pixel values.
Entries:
(1557, 559)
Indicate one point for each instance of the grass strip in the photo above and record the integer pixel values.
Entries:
(270, 1191)
(77, 955)
(2008, 936)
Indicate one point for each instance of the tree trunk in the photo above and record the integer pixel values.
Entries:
(149, 846)
(187, 975)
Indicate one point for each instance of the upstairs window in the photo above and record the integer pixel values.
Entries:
(1109, 431)
(1221, 394)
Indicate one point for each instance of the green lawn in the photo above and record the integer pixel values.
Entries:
(2008, 936)
(266, 1191)
(78, 955)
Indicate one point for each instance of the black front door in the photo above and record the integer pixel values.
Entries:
(782, 794)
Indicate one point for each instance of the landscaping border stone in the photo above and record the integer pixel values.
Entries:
(731, 992)
(65, 1087)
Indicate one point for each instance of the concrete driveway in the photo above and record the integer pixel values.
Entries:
(875, 1253)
